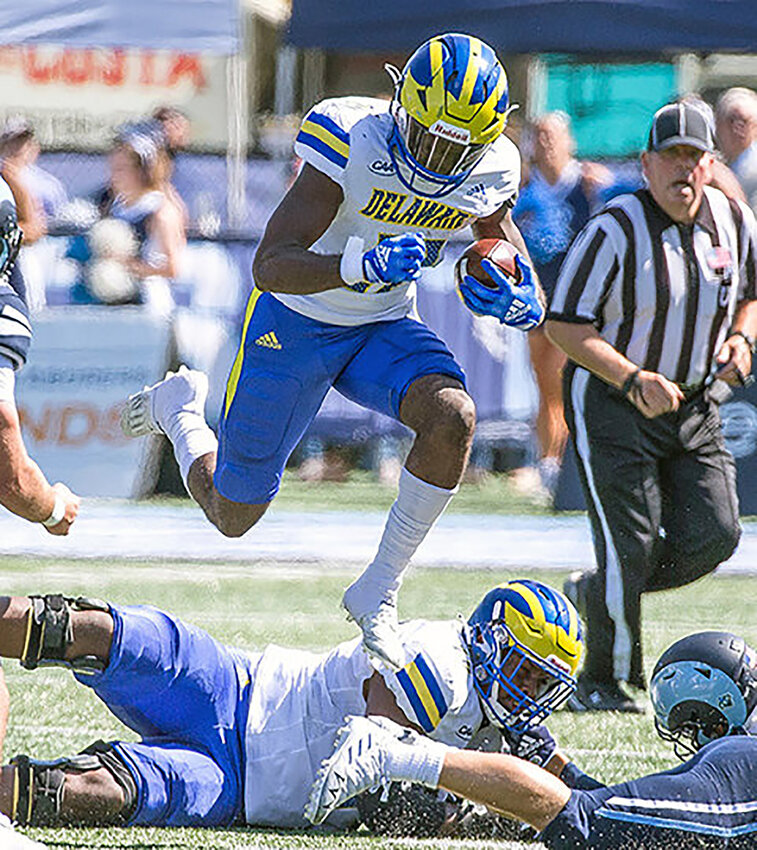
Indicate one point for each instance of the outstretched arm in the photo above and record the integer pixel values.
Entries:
(507, 784)
(371, 752)
(24, 490)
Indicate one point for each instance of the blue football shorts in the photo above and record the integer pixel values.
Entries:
(187, 696)
(708, 802)
(286, 365)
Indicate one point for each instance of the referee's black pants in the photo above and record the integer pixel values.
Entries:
(661, 496)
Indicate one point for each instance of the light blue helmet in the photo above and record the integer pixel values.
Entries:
(703, 687)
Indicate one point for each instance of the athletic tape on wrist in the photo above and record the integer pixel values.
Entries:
(351, 264)
(59, 511)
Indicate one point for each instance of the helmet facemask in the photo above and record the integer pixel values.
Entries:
(688, 736)
(427, 162)
(502, 667)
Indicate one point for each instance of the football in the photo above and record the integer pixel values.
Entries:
(499, 251)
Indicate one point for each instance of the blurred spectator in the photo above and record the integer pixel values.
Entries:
(38, 196)
(176, 131)
(721, 177)
(44, 193)
(736, 127)
(556, 201)
(137, 199)
(176, 128)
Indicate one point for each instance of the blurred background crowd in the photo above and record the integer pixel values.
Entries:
(144, 174)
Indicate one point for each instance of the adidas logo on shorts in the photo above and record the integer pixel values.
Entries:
(269, 340)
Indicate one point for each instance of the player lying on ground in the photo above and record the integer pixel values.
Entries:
(231, 737)
(383, 187)
(704, 692)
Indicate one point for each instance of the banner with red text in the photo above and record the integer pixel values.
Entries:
(76, 97)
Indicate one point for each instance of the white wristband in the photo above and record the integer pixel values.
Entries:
(351, 265)
(59, 511)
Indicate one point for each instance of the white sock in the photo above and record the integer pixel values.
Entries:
(421, 762)
(191, 437)
(413, 514)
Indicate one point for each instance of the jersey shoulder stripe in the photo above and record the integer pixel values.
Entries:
(15, 328)
(424, 693)
(325, 137)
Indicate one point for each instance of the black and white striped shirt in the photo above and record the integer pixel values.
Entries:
(663, 294)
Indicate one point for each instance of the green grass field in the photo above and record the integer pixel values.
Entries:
(251, 605)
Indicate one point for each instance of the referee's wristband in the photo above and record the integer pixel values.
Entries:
(58, 512)
(630, 382)
(748, 339)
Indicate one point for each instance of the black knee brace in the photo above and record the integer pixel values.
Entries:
(39, 786)
(49, 633)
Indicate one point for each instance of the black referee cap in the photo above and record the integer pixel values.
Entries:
(680, 124)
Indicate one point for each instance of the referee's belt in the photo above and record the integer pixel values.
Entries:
(691, 392)
(709, 390)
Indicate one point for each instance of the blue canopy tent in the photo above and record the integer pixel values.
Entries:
(530, 26)
(211, 25)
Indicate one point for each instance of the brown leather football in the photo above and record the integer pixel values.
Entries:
(499, 251)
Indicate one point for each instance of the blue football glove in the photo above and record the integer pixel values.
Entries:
(536, 744)
(394, 260)
(515, 305)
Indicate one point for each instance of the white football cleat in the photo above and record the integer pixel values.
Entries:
(380, 627)
(151, 410)
(12, 840)
(357, 763)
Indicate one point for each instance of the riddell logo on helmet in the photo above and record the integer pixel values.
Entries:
(560, 664)
(452, 134)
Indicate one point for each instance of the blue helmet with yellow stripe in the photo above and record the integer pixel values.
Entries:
(526, 642)
(450, 104)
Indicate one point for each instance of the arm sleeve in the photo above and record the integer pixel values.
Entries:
(574, 777)
(588, 274)
(324, 140)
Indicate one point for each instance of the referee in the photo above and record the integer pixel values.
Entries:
(655, 309)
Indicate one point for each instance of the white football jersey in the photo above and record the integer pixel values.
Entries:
(300, 700)
(346, 139)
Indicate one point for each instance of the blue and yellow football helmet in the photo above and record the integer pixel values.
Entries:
(703, 687)
(526, 642)
(450, 103)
